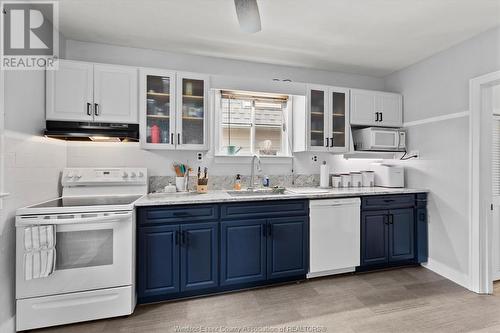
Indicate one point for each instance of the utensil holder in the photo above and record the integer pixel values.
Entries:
(181, 184)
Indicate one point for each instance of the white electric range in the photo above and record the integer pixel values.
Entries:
(92, 273)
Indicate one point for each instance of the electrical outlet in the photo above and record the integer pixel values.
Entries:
(315, 158)
(199, 156)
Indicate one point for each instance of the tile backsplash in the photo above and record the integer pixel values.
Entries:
(158, 183)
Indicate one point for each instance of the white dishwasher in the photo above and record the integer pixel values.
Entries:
(334, 236)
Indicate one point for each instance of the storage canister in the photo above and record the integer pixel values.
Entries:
(336, 181)
(356, 179)
(368, 178)
(346, 180)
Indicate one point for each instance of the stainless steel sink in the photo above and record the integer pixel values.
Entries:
(253, 193)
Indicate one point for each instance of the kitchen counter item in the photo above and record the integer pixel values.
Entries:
(368, 178)
(389, 175)
(324, 172)
(334, 236)
(336, 181)
(346, 180)
(356, 179)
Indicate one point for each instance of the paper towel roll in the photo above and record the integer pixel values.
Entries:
(324, 173)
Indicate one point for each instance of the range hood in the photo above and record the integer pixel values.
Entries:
(86, 131)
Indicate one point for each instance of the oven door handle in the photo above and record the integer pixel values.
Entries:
(25, 221)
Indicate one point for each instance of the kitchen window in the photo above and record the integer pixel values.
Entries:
(252, 123)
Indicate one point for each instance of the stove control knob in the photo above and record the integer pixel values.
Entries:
(141, 174)
(124, 174)
(70, 175)
(77, 177)
(132, 174)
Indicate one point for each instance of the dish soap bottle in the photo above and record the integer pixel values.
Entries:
(237, 182)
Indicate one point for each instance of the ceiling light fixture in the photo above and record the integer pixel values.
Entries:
(248, 15)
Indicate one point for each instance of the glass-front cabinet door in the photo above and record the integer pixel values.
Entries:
(318, 115)
(192, 96)
(339, 120)
(157, 109)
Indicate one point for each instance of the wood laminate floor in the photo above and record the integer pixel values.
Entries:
(401, 300)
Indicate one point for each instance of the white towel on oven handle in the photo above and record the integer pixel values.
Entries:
(40, 253)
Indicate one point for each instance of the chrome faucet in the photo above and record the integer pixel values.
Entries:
(252, 174)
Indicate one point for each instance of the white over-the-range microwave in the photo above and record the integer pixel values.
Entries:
(379, 139)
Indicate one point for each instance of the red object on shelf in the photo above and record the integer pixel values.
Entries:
(155, 134)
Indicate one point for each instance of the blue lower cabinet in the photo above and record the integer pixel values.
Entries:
(393, 230)
(158, 261)
(401, 234)
(243, 251)
(199, 256)
(178, 257)
(422, 237)
(287, 247)
(374, 238)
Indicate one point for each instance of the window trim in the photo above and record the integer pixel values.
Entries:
(286, 140)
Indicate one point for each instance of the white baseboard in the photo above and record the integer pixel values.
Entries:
(448, 272)
(9, 326)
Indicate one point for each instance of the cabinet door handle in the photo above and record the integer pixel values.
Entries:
(171, 138)
(89, 109)
(178, 138)
(331, 142)
(270, 230)
(326, 142)
(391, 219)
(386, 219)
(96, 109)
(381, 116)
(376, 116)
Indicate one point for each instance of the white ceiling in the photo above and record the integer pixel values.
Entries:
(373, 37)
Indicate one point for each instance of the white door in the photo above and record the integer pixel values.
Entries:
(495, 190)
(157, 105)
(363, 108)
(318, 111)
(115, 94)
(390, 110)
(69, 92)
(192, 111)
(339, 120)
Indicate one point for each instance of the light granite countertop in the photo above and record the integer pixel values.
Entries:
(219, 196)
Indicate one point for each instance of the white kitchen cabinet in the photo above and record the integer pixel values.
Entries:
(376, 108)
(173, 110)
(325, 120)
(191, 115)
(81, 91)
(69, 92)
(115, 94)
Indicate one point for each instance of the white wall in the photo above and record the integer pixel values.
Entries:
(32, 167)
(258, 75)
(439, 86)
